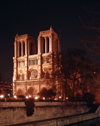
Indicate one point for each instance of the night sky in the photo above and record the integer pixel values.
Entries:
(31, 17)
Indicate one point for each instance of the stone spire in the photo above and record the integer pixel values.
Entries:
(51, 29)
(16, 34)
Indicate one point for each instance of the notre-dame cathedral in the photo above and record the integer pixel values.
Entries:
(30, 68)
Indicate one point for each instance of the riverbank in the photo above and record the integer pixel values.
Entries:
(59, 121)
(46, 113)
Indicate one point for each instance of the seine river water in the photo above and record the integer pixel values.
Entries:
(94, 122)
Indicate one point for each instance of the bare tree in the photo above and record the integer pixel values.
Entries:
(91, 24)
(91, 38)
(71, 73)
(79, 69)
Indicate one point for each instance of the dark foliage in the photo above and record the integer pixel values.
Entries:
(89, 98)
(77, 72)
(47, 93)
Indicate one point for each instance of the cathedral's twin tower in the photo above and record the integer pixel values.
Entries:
(31, 67)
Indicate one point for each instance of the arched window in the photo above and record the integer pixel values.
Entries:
(20, 92)
(20, 49)
(47, 44)
(23, 48)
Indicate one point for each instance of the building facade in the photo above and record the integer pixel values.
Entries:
(30, 68)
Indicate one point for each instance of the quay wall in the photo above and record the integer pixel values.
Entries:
(15, 112)
(63, 121)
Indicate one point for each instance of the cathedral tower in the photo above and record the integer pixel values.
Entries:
(30, 69)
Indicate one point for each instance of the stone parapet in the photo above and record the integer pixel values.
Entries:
(15, 112)
(38, 103)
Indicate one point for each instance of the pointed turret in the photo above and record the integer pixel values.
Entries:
(51, 29)
(16, 34)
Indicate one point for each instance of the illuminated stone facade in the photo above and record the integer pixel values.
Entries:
(30, 68)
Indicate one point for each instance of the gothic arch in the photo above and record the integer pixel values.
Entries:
(20, 92)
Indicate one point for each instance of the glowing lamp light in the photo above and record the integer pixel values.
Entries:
(1, 96)
(15, 96)
(36, 98)
(26, 97)
(8, 94)
(43, 98)
(29, 96)
(66, 98)
(59, 96)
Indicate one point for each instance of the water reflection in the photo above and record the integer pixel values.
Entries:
(94, 122)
